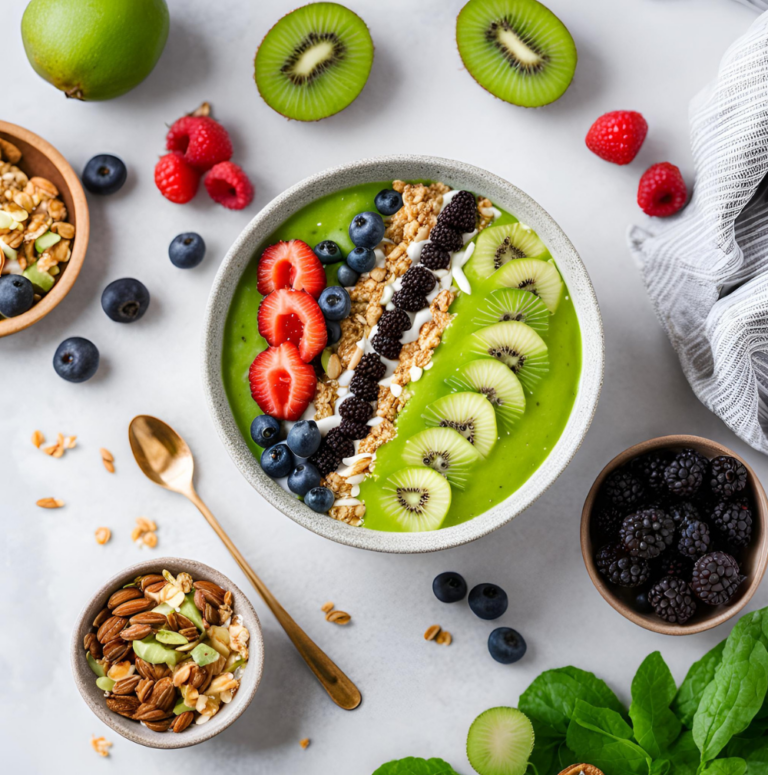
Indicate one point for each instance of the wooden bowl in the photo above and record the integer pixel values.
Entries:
(40, 158)
(755, 556)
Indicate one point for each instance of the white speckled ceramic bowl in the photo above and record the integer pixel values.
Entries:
(457, 175)
(133, 730)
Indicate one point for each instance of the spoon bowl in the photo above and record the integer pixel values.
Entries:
(162, 455)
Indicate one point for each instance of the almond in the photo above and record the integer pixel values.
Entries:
(152, 578)
(155, 588)
(159, 726)
(173, 621)
(182, 721)
(154, 672)
(199, 600)
(183, 622)
(115, 650)
(91, 644)
(211, 614)
(136, 632)
(125, 706)
(123, 596)
(211, 587)
(151, 618)
(163, 694)
(127, 685)
(133, 607)
(146, 712)
(190, 633)
(197, 676)
(144, 688)
(102, 617)
(111, 628)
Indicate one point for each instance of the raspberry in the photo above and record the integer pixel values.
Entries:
(694, 538)
(326, 459)
(355, 409)
(370, 366)
(647, 533)
(176, 180)
(364, 388)
(446, 237)
(728, 476)
(672, 600)
(354, 430)
(393, 323)
(409, 300)
(387, 347)
(621, 569)
(203, 141)
(662, 190)
(684, 475)
(734, 521)
(339, 443)
(419, 279)
(623, 489)
(716, 577)
(617, 136)
(227, 184)
(434, 257)
(461, 212)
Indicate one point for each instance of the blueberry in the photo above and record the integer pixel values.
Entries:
(265, 430)
(366, 230)
(449, 587)
(335, 303)
(303, 478)
(16, 295)
(346, 275)
(328, 252)
(506, 645)
(643, 604)
(277, 460)
(361, 260)
(125, 300)
(388, 202)
(319, 499)
(76, 359)
(488, 601)
(104, 174)
(304, 438)
(187, 250)
(334, 331)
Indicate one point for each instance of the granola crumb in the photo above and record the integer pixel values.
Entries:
(49, 503)
(432, 632)
(107, 459)
(144, 534)
(38, 439)
(338, 617)
(150, 539)
(444, 638)
(101, 745)
(304, 743)
(103, 534)
(327, 607)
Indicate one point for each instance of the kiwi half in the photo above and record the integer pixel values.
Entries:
(497, 383)
(469, 414)
(417, 498)
(314, 62)
(445, 450)
(501, 244)
(506, 304)
(516, 49)
(518, 347)
(540, 278)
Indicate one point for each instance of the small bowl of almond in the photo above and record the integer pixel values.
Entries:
(168, 653)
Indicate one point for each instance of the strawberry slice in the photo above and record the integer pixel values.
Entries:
(290, 265)
(286, 315)
(281, 383)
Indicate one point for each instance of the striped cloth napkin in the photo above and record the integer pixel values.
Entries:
(760, 5)
(706, 268)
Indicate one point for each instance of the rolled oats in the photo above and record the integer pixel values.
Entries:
(338, 617)
(49, 503)
(38, 439)
(432, 632)
(103, 534)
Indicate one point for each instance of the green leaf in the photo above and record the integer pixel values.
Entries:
(683, 755)
(546, 743)
(701, 673)
(601, 737)
(415, 766)
(97, 669)
(653, 689)
(203, 654)
(754, 751)
(180, 707)
(726, 767)
(660, 767)
(105, 684)
(189, 609)
(171, 638)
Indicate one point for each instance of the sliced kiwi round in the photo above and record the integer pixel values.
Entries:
(417, 498)
(500, 742)
(518, 347)
(499, 245)
(516, 49)
(538, 277)
(445, 450)
(497, 383)
(506, 304)
(314, 61)
(469, 414)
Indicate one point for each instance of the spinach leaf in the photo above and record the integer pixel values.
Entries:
(653, 689)
(726, 767)
(660, 767)
(545, 748)
(601, 737)
(754, 751)
(701, 673)
(684, 755)
(415, 766)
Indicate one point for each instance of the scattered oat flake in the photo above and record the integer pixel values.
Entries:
(145, 524)
(304, 743)
(38, 439)
(49, 503)
(70, 442)
(338, 617)
(107, 458)
(432, 632)
(101, 745)
(103, 534)
(444, 638)
(326, 607)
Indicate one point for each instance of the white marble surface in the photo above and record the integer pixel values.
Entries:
(649, 55)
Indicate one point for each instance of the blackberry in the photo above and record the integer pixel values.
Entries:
(621, 569)
(727, 476)
(607, 521)
(671, 564)
(680, 512)
(716, 577)
(647, 533)
(339, 443)
(461, 212)
(409, 300)
(434, 257)
(355, 409)
(371, 367)
(386, 346)
(623, 489)
(734, 521)
(393, 323)
(364, 388)
(694, 538)
(684, 475)
(354, 430)
(446, 237)
(419, 279)
(326, 459)
(672, 600)
(650, 468)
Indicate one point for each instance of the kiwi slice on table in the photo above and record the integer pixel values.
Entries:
(314, 61)
(469, 414)
(500, 742)
(538, 277)
(502, 244)
(417, 498)
(516, 49)
(507, 304)
(518, 347)
(497, 383)
(445, 450)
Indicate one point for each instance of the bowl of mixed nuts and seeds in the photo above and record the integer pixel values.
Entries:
(168, 653)
(44, 226)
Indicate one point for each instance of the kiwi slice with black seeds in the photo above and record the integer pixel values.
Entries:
(516, 49)
(417, 498)
(314, 62)
(518, 347)
(469, 414)
(444, 450)
(501, 244)
(535, 276)
(497, 383)
(505, 304)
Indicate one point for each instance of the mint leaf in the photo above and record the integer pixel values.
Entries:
(415, 766)
(698, 678)
(601, 737)
(726, 767)
(683, 755)
(653, 689)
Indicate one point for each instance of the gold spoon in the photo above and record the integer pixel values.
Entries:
(165, 458)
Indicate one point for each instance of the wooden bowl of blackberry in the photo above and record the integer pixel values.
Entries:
(673, 534)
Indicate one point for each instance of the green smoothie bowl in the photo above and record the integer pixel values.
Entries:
(401, 354)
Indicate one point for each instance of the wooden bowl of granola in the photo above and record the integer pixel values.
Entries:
(227, 711)
(33, 176)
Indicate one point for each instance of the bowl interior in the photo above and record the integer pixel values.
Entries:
(754, 558)
(457, 175)
(133, 730)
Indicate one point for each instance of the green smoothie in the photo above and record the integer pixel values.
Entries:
(519, 451)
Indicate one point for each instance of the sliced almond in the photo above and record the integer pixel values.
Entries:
(338, 617)
(49, 503)
(432, 632)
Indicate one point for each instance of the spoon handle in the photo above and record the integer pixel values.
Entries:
(339, 687)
